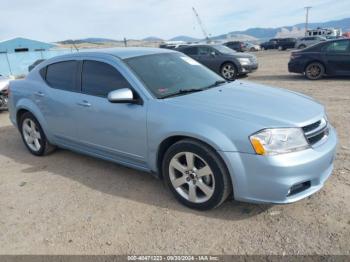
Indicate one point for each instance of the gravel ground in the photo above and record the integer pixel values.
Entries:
(68, 203)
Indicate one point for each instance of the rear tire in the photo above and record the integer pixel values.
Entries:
(33, 135)
(314, 71)
(196, 175)
(301, 46)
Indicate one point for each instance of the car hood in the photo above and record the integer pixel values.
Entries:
(263, 105)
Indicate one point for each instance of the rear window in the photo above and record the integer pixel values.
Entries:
(62, 75)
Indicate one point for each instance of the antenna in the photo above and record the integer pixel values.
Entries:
(73, 43)
(201, 25)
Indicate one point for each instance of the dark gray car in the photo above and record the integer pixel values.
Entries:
(222, 59)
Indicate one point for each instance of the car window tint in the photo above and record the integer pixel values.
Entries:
(62, 75)
(98, 79)
(191, 51)
(203, 50)
(339, 46)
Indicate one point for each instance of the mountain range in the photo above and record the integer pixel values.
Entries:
(267, 33)
(254, 33)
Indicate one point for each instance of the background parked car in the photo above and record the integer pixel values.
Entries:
(172, 44)
(279, 43)
(222, 60)
(286, 43)
(4, 83)
(326, 58)
(308, 41)
(251, 47)
(271, 44)
(235, 45)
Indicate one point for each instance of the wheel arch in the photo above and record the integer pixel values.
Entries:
(229, 62)
(171, 140)
(26, 105)
(315, 61)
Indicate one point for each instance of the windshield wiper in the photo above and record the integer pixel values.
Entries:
(215, 84)
(182, 91)
(187, 91)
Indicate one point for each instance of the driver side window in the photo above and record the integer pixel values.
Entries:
(98, 79)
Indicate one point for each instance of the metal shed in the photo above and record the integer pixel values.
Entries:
(20, 44)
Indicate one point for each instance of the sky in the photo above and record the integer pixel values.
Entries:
(55, 20)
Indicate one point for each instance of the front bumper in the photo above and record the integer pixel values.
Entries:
(248, 68)
(269, 179)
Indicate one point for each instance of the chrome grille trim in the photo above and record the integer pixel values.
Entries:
(316, 132)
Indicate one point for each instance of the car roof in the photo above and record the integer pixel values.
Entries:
(121, 52)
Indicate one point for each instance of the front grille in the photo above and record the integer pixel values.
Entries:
(317, 131)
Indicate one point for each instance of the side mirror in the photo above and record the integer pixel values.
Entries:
(123, 95)
(212, 53)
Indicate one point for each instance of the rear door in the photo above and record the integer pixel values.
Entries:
(337, 56)
(58, 100)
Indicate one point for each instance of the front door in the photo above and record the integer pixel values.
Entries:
(116, 131)
(337, 55)
(208, 57)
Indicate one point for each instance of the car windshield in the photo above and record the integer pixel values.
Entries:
(172, 74)
(224, 49)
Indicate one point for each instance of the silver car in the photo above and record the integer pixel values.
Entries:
(162, 112)
(308, 41)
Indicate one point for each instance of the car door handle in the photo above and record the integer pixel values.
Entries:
(84, 103)
(39, 93)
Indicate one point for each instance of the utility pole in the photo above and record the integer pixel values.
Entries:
(307, 8)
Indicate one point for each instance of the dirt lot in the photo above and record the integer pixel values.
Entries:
(68, 203)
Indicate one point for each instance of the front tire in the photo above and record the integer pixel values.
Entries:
(314, 71)
(196, 175)
(229, 71)
(33, 136)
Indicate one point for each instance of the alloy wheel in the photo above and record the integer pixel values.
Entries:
(191, 177)
(313, 71)
(31, 135)
(228, 71)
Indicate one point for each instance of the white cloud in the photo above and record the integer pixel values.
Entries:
(63, 19)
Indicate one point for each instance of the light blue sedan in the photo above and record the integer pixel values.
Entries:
(162, 112)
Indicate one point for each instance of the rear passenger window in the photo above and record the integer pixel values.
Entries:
(98, 79)
(191, 51)
(62, 75)
(338, 46)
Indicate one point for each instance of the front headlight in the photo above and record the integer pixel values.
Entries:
(244, 61)
(278, 141)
